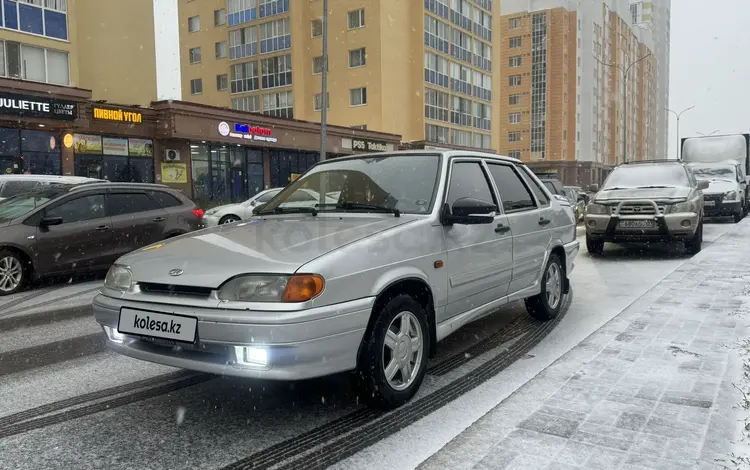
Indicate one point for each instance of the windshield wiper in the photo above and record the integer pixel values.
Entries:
(654, 187)
(291, 210)
(616, 188)
(361, 206)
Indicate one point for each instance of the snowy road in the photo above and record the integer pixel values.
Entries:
(67, 402)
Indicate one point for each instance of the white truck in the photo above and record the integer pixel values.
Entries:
(723, 161)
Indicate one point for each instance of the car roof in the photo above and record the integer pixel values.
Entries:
(55, 178)
(117, 185)
(444, 152)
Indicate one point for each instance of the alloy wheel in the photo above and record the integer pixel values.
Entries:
(553, 285)
(403, 351)
(11, 273)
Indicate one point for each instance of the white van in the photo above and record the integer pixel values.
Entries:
(11, 185)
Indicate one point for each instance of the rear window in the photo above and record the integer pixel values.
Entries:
(165, 199)
(130, 203)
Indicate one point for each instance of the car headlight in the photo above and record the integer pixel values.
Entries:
(272, 288)
(118, 278)
(686, 206)
(211, 212)
(730, 195)
(596, 209)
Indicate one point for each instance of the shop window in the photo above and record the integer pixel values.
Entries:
(222, 173)
(285, 163)
(35, 152)
(114, 159)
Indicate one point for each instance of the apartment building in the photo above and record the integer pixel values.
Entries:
(422, 69)
(580, 87)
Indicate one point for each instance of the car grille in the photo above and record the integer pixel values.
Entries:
(638, 209)
(713, 197)
(169, 289)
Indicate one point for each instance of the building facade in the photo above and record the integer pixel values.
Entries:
(580, 87)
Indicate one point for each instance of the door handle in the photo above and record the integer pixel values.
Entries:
(502, 229)
(102, 228)
(159, 219)
(544, 221)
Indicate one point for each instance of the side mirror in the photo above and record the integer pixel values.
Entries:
(469, 211)
(257, 209)
(253, 203)
(702, 184)
(48, 221)
(594, 188)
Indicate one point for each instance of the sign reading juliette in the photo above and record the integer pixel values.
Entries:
(118, 115)
(248, 132)
(369, 145)
(35, 106)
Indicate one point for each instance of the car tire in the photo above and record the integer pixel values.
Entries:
(229, 219)
(377, 353)
(14, 272)
(547, 304)
(739, 216)
(594, 246)
(693, 246)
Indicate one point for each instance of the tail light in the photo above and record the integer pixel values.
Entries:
(198, 213)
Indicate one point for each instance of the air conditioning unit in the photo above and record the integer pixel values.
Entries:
(171, 155)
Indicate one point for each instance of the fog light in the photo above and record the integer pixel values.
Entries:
(251, 356)
(114, 335)
(685, 223)
(591, 223)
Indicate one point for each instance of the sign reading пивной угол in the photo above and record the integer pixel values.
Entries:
(34, 106)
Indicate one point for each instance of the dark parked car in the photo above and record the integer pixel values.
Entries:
(78, 228)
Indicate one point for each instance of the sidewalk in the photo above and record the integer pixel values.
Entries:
(652, 389)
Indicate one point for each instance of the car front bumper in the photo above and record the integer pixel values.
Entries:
(211, 220)
(666, 228)
(295, 350)
(721, 208)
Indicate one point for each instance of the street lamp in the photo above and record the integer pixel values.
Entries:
(323, 96)
(678, 126)
(625, 71)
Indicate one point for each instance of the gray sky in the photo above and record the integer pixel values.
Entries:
(710, 67)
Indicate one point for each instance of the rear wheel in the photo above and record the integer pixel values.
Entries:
(693, 246)
(547, 304)
(594, 246)
(14, 272)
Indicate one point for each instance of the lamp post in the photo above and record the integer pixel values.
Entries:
(324, 91)
(625, 71)
(678, 126)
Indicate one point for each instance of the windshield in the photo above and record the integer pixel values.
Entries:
(23, 204)
(726, 172)
(640, 176)
(363, 184)
(13, 188)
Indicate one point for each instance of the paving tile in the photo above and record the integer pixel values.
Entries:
(631, 421)
(658, 464)
(649, 444)
(601, 440)
(562, 413)
(528, 462)
(562, 466)
(576, 453)
(604, 416)
(681, 449)
(533, 443)
(536, 422)
(606, 459)
(498, 459)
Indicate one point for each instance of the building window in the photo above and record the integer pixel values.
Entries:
(244, 77)
(317, 65)
(514, 136)
(514, 118)
(483, 24)
(460, 78)
(243, 42)
(250, 104)
(461, 45)
(357, 19)
(462, 138)
(514, 23)
(514, 61)
(272, 7)
(196, 86)
(482, 141)
(514, 99)
(34, 63)
(358, 96)
(45, 18)
(435, 105)
(317, 102)
(515, 154)
(538, 145)
(438, 7)
(221, 49)
(194, 24)
(279, 104)
(220, 17)
(482, 55)
(461, 13)
(514, 42)
(221, 82)
(436, 34)
(486, 4)
(275, 36)
(241, 11)
(482, 86)
(357, 58)
(435, 69)
(195, 55)
(483, 116)
(514, 80)
(277, 71)
(317, 28)
(461, 111)
(436, 134)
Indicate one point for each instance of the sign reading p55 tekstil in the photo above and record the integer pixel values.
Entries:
(248, 132)
(35, 106)
(118, 115)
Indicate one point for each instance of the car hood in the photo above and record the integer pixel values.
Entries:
(721, 186)
(643, 193)
(279, 244)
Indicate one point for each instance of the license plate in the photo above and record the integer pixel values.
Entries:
(157, 325)
(709, 203)
(637, 224)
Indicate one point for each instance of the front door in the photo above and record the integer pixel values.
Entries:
(84, 239)
(479, 257)
(530, 224)
(137, 220)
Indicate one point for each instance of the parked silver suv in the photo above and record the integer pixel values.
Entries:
(648, 201)
(416, 245)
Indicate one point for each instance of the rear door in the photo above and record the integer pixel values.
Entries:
(530, 223)
(180, 219)
(137, 219)
(83, 240)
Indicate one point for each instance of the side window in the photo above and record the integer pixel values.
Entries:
(80, 209)
(165, 199)
(512, 190)
(301, 196)
(536, 188)
(267, 197)
(130, 203)
(468, 180)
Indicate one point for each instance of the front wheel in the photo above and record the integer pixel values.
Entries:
(229, 219)
(594, 246)
(14, 272)
(739, 216)
(547, 304)
(693, 246)
(393, 361)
